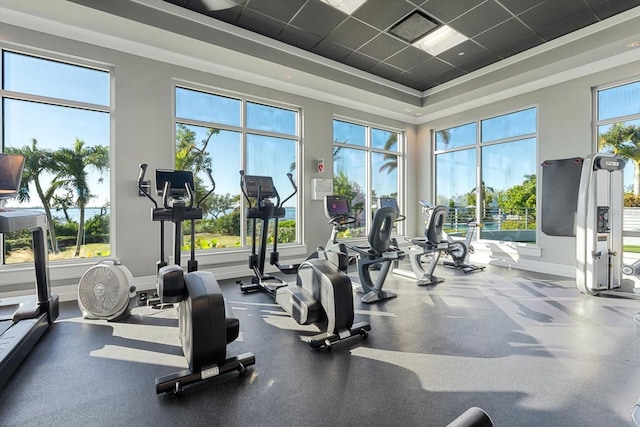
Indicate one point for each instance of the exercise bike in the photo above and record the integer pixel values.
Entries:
(204, 328)
(336, 209)
(435, 243)
(381, 254)
(322, 294)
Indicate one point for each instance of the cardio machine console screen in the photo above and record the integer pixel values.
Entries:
(336, 206)
(177, 182)
(255, 184)
(388, 202)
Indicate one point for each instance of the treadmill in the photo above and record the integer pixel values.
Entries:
(23, 320)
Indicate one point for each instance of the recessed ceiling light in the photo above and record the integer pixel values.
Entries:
(287, 77)
(634, 44)
(440, 40)
(347, 6)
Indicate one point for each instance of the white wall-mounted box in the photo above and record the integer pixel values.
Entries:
(321, 187)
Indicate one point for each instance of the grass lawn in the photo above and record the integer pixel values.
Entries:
(90, 250)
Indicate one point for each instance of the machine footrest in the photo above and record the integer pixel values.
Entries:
(174, 383)
(374, 295)
(429, 280)
(327, 340)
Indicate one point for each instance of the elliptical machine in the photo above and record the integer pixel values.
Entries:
(204, 328)
(262, 189)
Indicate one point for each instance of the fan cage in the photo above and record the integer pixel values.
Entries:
(104, 291)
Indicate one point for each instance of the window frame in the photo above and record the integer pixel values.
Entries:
(478, 146)
(65, 103)
(369, 149)
(244, 131)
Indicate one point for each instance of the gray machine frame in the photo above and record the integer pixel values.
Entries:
(599, 230)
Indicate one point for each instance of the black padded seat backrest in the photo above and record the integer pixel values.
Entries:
(11, 166)
(433, 232)
(380, 233)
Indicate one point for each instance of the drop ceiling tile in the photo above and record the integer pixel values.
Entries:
(382, 14)
(518, 6)
(408, 58)
(385, 70)
(318, 18)
(546, 13)
(430, 67)
(487, 15)
(331, 50)
(518, 45)
(469, 50)
(360, 61)
(382, 46)
(447, 75)
(227, 15)
(299, 38)
(352, 33)
(262, 24)
(277, 9)
(502, 34)
(409, 80)
(473, 64)
(606, 8)
(567, 24)
(448, 10)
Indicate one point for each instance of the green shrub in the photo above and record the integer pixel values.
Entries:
(631, 200)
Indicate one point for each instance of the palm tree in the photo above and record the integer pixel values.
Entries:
(36, 162)
(624, 141)
(390, 160)
(73, 165)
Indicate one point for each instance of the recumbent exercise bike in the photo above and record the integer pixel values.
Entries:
(435, 243)
(322, 294)
(204, 328)
(381, 254)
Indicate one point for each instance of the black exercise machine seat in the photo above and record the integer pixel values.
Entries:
(24, 319)
(380, 251)
(433, 232)
(323, 295)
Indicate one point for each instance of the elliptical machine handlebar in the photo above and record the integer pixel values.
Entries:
(166, 191)
(141, 184)
(295, 190)
(213, 187)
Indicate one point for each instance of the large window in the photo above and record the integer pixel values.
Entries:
(618, 131)
(618, 128)
(57, 115)
(367, 164)
(502, 196)
(228, 134)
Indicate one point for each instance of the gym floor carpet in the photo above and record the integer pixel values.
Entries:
(526, 347)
